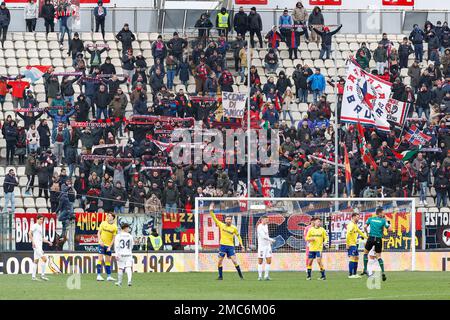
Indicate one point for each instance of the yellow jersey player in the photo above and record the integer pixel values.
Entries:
(352, 245)
(227, 233)
(317, 238)
(106, 235)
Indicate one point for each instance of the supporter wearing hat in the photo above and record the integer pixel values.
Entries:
(126, 37)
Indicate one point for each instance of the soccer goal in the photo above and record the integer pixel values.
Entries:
(288, 218)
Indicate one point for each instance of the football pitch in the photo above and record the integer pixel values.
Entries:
(204, 286)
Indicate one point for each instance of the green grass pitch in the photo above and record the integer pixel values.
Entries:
(185, 286)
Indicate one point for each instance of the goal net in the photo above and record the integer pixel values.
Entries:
(288, 218)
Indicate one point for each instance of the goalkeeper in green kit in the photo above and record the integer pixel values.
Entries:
(376, 224)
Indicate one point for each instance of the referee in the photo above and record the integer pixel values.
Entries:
(377, 224)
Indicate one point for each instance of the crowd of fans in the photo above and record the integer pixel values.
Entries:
(128, 160)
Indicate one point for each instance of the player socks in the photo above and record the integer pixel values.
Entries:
(99, 268)
(381, 263)
(366, 260)
(260, 270)
(322, 272)
(129, 274)
(34, 269)
(108, 268)
(239, 271)
(350, 268)
(266, 273)
(220, 272)
(355, 267)
(309, 272)
(119, 275)
(42, 265)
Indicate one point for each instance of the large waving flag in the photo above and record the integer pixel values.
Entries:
(34, 73)
(365, 98)
(348, 173)
(416, 137)
(365, 153)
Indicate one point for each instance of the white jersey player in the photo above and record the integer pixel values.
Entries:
(37, 241)
(264, 248)
(123, 246)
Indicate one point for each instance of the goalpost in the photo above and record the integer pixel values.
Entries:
(288, 218)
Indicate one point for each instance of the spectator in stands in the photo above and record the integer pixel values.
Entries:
(285, 22)
(30, 171)
(31, 12)
(444, 37)
(417, 37)
(159, 49)
(422, 177)
(3, 90)
(126, 37)
(362, 59)
(204, 25)
(380, 57)
(300, 17)
(65, 206)
(32, 138)
(226, 81)
(128, 61)
(108, 68)
(274, 38)
(212, 85)
(327, 37)
(414, 72)
(441, 184)
(48, 14)
(100, 16)
(18, 87)
(293, 42)
(96, 56)
(300, 77)
(317, 84)
(433, 47)
(255, 27)
(271, 115)
(9, 131)
(404, 50)
(201, 74)
(67, 89)
(424, 98)
(156, 81)
(76, 47)
(21, 144)
(176, 46)
(243, 63)
(9, 183)
(315, 20)
(236, 46)
(240, 22)
(101, 101)
(223, 24)
(5, 19)
(288, 98)
(63, 13)
(271, 61)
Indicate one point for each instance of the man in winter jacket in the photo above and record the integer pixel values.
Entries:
(417, 37)
(170, 197)
(177, 45)
(9, 183)
(317, 83)
(31, 12)
(5, 19)
(327, 37)
(126, 37)
(255, 27)
(100, 15)
(48, 14)
(76, 46)
(240, 22)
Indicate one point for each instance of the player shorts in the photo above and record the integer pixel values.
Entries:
(102, 250)
(314, 254)
(374, 242)
(38, 253)
(264, 252)
(353, 251)
(226, 250)
(125, 262)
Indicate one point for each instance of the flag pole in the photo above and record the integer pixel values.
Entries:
(336, 131)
